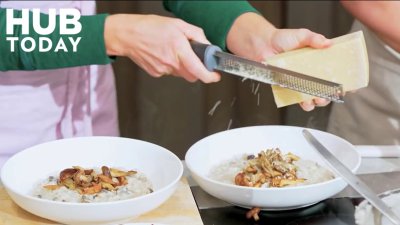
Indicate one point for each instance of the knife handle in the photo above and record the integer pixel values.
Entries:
(205, 53)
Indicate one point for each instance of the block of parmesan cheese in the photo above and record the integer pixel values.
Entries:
(345, 62)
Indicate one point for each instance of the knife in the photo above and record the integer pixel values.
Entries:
(351, 179)
(215, 59)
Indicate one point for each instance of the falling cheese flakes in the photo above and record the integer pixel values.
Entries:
(212, 110)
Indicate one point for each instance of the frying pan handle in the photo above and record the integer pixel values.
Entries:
(205, 53)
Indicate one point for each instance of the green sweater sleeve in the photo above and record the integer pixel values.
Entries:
(90, 50)
(215, 17)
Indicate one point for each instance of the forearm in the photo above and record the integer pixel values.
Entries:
(215, 17)
(382, 17)
(90, 49)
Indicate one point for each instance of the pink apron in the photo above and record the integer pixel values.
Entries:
(40, 106)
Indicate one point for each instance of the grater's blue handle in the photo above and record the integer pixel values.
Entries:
(206, 53)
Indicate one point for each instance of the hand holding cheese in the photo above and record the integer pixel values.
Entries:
(345, 62)
(262, 40)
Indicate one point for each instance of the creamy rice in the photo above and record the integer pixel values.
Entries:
(138, 185)
(307, 169)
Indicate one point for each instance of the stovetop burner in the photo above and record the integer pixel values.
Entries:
(329, 212)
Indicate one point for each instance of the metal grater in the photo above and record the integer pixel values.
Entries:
(215, 59)
(277, 76)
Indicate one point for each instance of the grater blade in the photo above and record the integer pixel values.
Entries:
(242, 67)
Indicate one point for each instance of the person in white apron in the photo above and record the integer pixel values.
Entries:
(371, 116)
(40, 106)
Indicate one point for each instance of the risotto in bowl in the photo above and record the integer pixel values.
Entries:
(268, 167)
(92, 180)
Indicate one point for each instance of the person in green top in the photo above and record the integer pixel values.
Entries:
(53, 95)
(160, 45)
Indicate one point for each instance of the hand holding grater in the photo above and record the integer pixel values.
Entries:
(216, 60)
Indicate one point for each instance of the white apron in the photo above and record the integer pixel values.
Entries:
(40, 106)
(371, 116)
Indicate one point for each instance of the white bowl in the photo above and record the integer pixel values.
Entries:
(366, 214)
(223, 146)
(26, 169)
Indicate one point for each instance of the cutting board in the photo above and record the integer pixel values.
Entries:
(179, 209)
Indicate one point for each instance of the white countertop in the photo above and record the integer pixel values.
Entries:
(372, 164)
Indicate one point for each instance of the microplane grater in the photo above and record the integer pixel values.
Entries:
(215, 59)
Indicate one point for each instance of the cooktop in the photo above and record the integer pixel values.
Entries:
(338, 211)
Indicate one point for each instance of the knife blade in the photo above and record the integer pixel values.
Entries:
(351, 179)
(216, 60)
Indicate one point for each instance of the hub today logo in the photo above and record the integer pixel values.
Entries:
(68, 24)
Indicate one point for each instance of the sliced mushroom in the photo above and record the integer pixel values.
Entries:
(253, 213)
(122, 181)
(107, 186)
(286, 182)
(290, 157)
(106, 179)
(119, 173)
(78, 168)
(52, 187)
(88, 172)
(96, 188)
(106, 171)
(67, 173)
(69, 183)
(271, 167)
(87, 181)
(251, 169)
(242, 180)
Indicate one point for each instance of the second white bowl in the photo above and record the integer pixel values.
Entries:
(223, 146)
